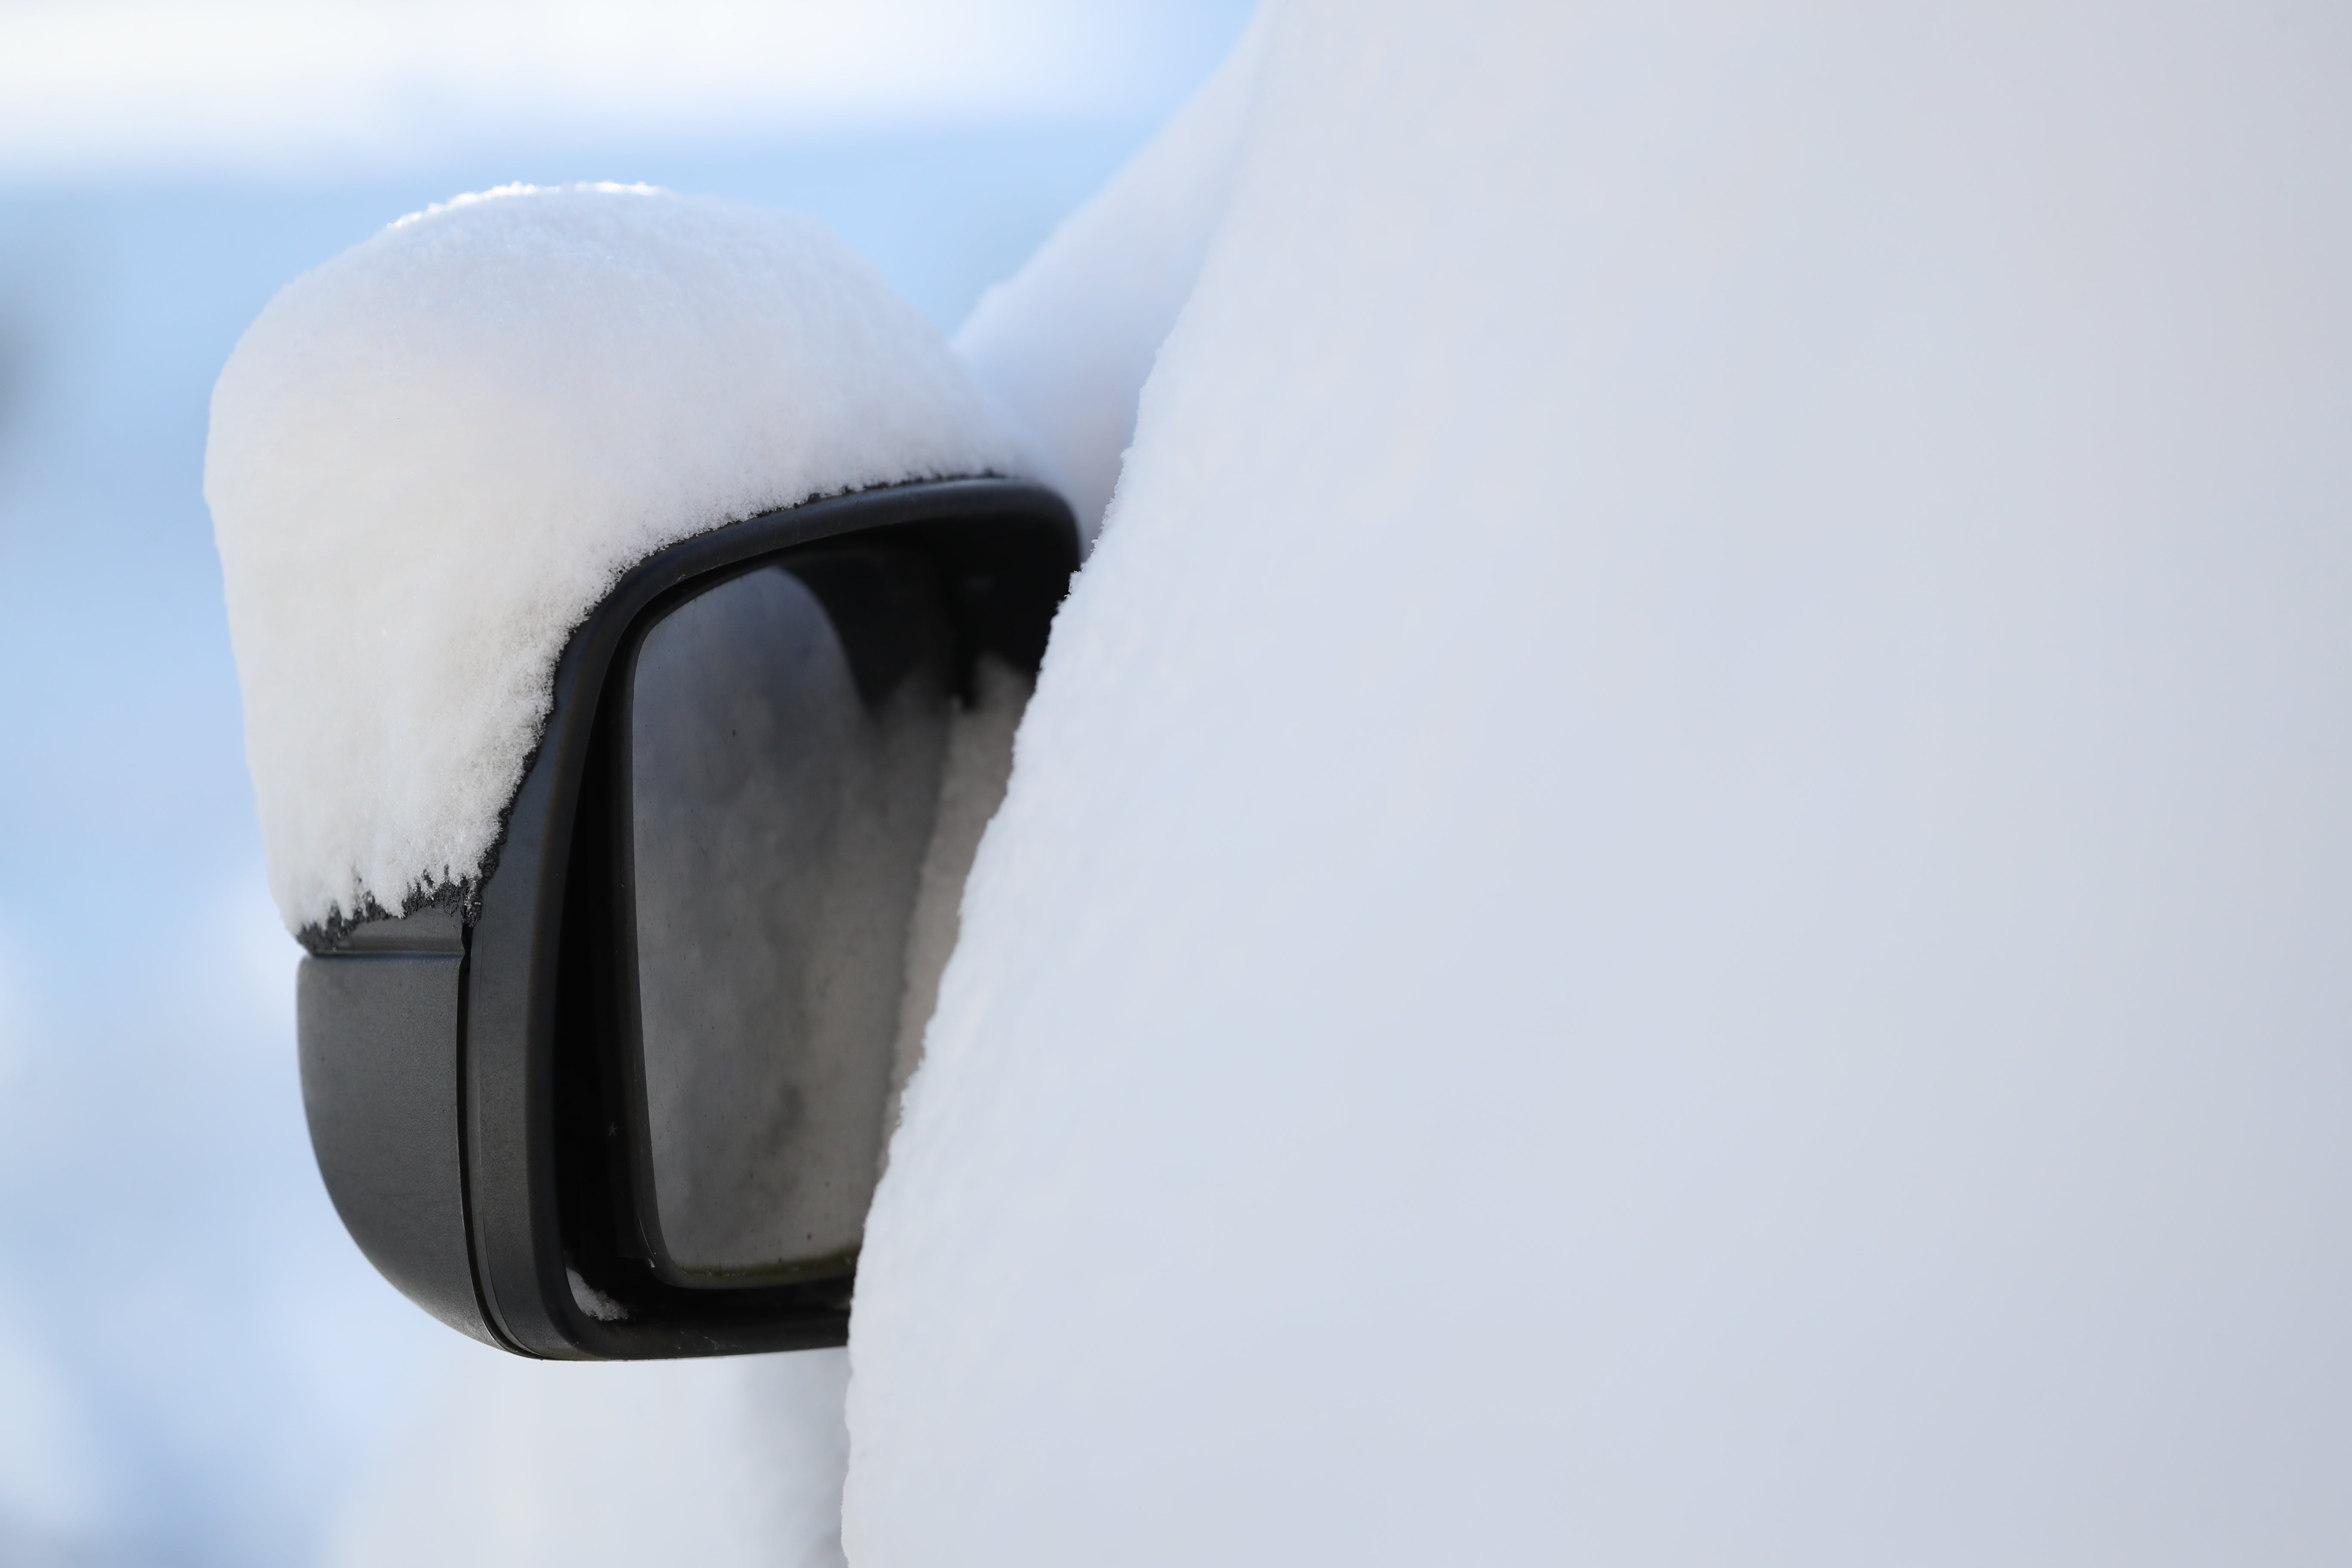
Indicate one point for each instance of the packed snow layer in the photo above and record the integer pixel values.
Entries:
(1678, 888)
(1067, 343)
(430, 458)
(971, 786)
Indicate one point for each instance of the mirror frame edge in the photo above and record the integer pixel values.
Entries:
(510, 990)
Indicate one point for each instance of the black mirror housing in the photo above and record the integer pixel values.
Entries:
(514, 1097)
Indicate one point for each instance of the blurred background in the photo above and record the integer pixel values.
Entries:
(196, 1367)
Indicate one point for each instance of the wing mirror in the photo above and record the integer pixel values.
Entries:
(630, 1097)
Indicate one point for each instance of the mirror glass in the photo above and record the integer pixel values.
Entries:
(786, 739)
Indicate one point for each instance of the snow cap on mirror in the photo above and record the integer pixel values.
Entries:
(431, 457)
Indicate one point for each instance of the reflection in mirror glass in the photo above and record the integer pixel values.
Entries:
(782, 790)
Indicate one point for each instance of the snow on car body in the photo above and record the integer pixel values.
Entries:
(1674, 890)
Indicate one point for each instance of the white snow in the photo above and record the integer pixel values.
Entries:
(730, 1463)
(431, 456)
(1678, 886)
(977, 766)
(1067, 343)
(592, 1301)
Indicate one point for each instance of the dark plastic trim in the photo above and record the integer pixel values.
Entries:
(379, 1027)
